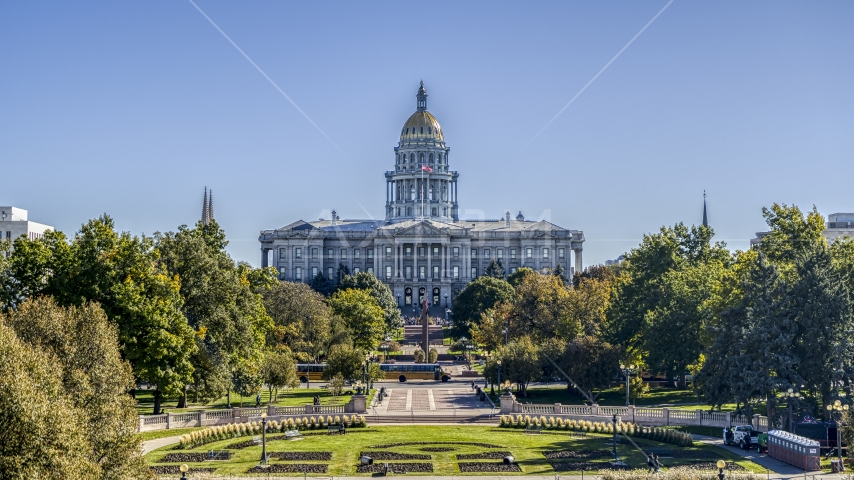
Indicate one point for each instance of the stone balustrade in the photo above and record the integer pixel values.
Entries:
(639, 415)
(204, 418)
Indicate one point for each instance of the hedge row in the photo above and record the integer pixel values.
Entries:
(234, 430)
(665, 435)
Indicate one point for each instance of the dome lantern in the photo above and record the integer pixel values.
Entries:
(422, 97)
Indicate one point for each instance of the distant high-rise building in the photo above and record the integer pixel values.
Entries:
(839, 225)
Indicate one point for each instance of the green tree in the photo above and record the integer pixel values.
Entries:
(495, 269)
(246, 377)
(302, 320)
(375, 373)
(43, 437)
(560, 273)
(520, 360)
(219, 301)
(81, 345)
(343, 271)
(279, 372)
(792, 235)
(591, 363)
(364, 317)
(346, 361)
(479, 295)
(381, 293)
(516, 277)
(542, 310)
(588, 303)
(320, 284)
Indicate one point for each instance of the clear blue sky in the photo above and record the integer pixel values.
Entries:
(132, 108)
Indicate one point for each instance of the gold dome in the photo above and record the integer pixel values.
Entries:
(421, 128)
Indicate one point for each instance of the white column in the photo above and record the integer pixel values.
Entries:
(578, 264)
(430, 262)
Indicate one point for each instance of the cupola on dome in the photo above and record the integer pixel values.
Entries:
(422, 128)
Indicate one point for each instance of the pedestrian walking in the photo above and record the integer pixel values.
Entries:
(650, 462)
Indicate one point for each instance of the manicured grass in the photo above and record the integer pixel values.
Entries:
(289, 398)
(528, 449)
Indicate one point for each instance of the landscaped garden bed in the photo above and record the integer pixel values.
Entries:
(394, 456)
(290, 468)
(176, 470)
(584, 466)
(301, 456)
(708, 466)
(396, 467)
(193, 457)
(490, 467)
(585, 454)
(483, 456)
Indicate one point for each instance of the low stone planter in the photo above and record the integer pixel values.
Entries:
(290, 468)
(706, 466)
(577, 454)
(483, 456)
(394, 456)
(191, 457)
(405, 444)
(437, 449)
(585, 466)
(176, 470)
(489, 467)
(303, 456)
(396, 467)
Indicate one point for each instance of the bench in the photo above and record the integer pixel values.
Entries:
(534, 429)
(577, 434)
(336, 430)
(219, 455)
(292, 433)
(256, 439)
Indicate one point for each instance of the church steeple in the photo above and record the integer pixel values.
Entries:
(705, 217)
(207, 208)
(422, 97)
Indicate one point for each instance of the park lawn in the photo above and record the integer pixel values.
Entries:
(287, 398)
(528, 449)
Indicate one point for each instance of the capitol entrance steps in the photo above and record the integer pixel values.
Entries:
(412, 334)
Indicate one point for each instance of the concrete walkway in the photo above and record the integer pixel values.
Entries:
(151, 445)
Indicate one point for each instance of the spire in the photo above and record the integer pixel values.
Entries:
(705, 217)
(422, 97)
(210, 206)
(205, 214)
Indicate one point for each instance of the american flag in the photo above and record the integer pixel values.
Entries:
(427, 169)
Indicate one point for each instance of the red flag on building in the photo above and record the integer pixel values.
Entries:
(427, 169)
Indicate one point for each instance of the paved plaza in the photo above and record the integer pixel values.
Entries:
(436, 399)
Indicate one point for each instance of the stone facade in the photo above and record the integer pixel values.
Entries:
(422, 250)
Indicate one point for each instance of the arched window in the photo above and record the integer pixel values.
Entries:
(422, 130)
(407, 297)
(412, 192)
(444, 191)
(412, 157)
(431, 158)
(436, 296)
(398, 211)
(409, 211)
(434, 212)
(421, 157)
(430, 193)
(445, 211)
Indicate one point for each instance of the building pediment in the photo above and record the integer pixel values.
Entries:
(422, 229)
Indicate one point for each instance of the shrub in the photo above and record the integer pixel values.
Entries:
(337, 420)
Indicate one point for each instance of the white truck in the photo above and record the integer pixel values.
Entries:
(742, 435)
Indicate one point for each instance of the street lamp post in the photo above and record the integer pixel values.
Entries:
(463, 344)
(836, 409)
(721, 464)
(614, 419)
(446, 304)
(263, 438)
(398, 300)
(498, 362)
(791, 395)
(627, 369)
(184, 468)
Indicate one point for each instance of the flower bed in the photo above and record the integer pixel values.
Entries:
(234, 430)
(191, 457)
(396, 467)
(483, 456)
(290, 468)
(576, 454)
(176, 470)
(585, 466)
(394, 456)
(488, 467)
(437, 449)
(303, 456)
(404, 444)
(665, 435)
(704, 466)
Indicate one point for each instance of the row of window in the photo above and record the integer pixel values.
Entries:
(408, 251)
(330, 272)
(401, 157)
(407, 272)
